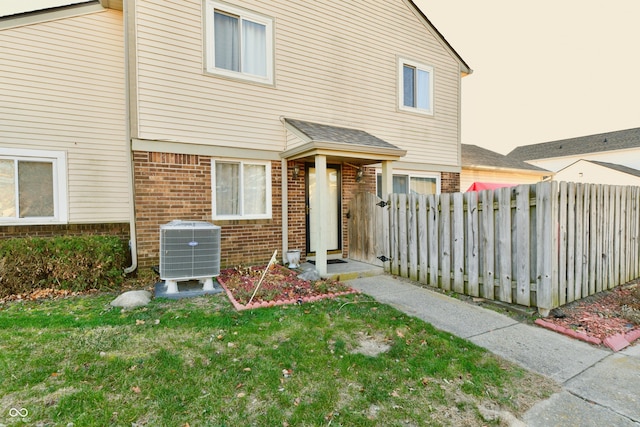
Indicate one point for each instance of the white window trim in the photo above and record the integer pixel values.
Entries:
(421, 66)
(210, 55)
(60, 192)
(415, 174)
(268, 195)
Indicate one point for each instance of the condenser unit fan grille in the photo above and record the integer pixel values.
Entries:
(189, 250)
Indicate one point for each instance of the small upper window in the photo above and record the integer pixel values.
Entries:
(32, 187)
(416, 87)
(239, 43)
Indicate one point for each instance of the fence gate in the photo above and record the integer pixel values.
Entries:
(366, 229)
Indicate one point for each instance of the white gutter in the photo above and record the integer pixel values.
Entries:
(133, 243)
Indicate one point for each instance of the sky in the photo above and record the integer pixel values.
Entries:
(543, 70)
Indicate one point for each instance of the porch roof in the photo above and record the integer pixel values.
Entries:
(338, 142)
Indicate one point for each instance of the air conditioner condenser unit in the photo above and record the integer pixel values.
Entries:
(189, 250)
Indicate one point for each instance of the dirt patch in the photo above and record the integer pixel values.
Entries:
(277, 286)
(616, 311)
(372, 345)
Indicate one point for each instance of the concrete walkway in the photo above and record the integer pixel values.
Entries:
(600, 388)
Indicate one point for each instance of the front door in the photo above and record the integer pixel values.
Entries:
(329, 209)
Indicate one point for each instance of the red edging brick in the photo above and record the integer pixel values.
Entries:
(615, 342)
(632, 335)
(568, 332)
(254, 305)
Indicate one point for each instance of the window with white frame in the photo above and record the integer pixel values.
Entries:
(416, 86)
(242, 189)
(412, 183)
(33, 187)
(239, 43)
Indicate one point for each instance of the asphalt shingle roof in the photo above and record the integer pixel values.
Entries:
(609, 141)
(472, 155)
(619, 168)
(328, 133)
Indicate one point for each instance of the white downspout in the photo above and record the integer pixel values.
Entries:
(133, 243)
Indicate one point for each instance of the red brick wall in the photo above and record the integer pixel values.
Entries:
(450, 182)
(252, 242)
(172, 186)
(119, 229)
(296, 231)
(168, 187)
(178, 186)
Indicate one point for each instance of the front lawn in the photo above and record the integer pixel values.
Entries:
(197, 362)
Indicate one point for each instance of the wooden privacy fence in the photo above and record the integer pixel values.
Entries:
(540, 245)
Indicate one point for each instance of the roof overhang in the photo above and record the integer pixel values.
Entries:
(338, 144)
(509, 170)
(112, 4)
(359, 154)
(28, 13)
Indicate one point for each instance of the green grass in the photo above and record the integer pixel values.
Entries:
(198, 361)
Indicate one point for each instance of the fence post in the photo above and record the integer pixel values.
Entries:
(546, 295)
(487, 245)
(386, 234)
(523, 246)
(412, 230)
(423, 238)
(393, 234)
(434, 238)
(473, 258)
(504, 243)
(445, 241)
(458, 243)
(403, 230)
(571, 242)
(562, 262)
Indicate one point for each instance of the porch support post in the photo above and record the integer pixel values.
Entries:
(321, 223)
(387, 178)
(285, 211)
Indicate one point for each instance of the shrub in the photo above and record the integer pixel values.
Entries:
(76, 263)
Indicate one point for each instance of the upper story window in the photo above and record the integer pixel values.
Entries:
(416, 87)
(242, 189)
(239, 43)
(33, 187)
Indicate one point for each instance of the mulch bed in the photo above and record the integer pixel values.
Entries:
(280, 286)
(611, 317)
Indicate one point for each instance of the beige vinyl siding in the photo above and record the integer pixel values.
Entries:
(469, 176)
(335, 63)
(62, 85)
(587, 172)
(293, 140)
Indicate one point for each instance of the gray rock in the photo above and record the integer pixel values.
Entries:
(132, 299)
(310, 275)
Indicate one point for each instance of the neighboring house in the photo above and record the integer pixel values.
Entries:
(64, 152)
(594, 172)
(619, 147)
(262, 117)
(486, 168)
